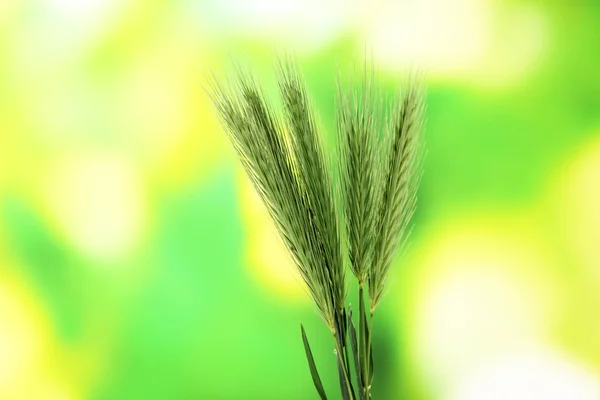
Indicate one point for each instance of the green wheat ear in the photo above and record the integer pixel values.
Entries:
(379, 152)
(285, 161)
(380, 149)
(397, 182)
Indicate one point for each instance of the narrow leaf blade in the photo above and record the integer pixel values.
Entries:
(343, 382)
(311, 364)
(363, 330)
(354, 346)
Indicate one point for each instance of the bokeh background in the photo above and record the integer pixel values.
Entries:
(137, 263)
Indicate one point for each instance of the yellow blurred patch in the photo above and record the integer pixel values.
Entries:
(97, 203)
(164, 110)
(9, 9)
(572, 213)
(481, 288)
(31, 364)
(577, 194)
(265, 253)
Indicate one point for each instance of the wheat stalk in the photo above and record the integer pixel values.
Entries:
(378, 155)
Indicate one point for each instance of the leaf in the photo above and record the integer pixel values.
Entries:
(363, 339)
(311, 364)
(343, 382)
(342, 355)
(354, 346)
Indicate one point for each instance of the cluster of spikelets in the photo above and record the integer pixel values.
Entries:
(358, 217)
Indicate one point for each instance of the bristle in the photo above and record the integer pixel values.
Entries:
(292, 178)
(378, 153)
(358, 121)
(400, 178)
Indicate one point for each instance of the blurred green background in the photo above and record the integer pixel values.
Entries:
(137, 263)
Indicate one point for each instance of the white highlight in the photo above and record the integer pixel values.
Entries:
(483, 297)
(436, 34)
(98, 202)
(303, 24)
(530, 376)
(78, 7)
(471, 40)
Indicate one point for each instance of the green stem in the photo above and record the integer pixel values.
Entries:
(363, 340)
(341, 359)
(369, 355)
